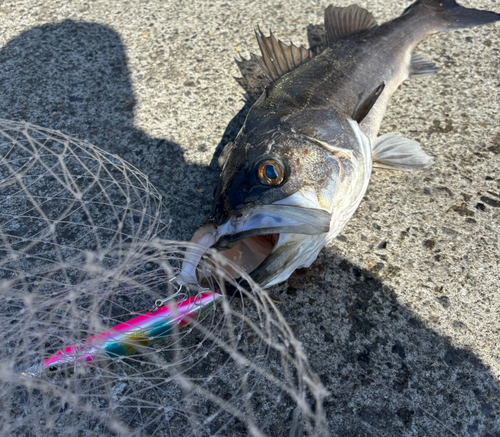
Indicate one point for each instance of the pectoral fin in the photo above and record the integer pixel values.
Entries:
(365, 104)
(419, 66)
(392, 151)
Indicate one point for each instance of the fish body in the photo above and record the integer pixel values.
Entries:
(301, 163)
(129, 337)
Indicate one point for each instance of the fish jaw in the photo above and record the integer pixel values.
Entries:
(293, 251)
(202, 240)
(250, 236)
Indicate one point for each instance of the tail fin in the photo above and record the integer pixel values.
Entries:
(455, 16)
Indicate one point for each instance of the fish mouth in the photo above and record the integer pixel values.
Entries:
(248, 253)
(250, 237)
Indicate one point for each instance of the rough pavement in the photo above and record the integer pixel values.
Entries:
(399, 315)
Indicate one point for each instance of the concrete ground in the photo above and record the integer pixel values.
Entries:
(400, 314)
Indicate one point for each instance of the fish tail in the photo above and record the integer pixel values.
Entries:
(451, 15)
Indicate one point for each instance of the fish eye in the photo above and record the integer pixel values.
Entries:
(271, 172)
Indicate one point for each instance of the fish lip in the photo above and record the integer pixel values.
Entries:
(227, 241)
(296, 219)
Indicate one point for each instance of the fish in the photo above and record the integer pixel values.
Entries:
(127, 338)
(301, 163)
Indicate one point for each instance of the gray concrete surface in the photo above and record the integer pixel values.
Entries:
(400, 315)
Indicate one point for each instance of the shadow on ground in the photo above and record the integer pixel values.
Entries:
(386, 372)
(74, 77)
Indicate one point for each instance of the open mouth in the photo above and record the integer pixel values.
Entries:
(249, 238)
(249, 253)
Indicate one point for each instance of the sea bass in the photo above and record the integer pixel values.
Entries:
(301, 163)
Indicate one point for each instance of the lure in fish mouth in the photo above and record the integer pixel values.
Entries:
(301, 163)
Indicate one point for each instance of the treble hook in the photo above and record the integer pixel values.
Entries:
(160, 302)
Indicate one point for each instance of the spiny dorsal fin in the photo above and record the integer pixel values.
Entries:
(277, 57)
(344, 21)
(419, 66)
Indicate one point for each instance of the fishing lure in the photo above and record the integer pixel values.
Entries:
(129, 337)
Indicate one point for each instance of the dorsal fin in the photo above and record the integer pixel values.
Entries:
(277, 57)
(344, 21)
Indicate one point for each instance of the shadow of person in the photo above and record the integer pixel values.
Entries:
(73, 77)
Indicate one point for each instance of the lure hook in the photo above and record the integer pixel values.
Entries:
(161, 302)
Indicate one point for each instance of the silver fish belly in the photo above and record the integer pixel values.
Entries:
(300, 165)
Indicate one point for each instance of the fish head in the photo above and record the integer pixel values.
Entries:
(274, 203)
